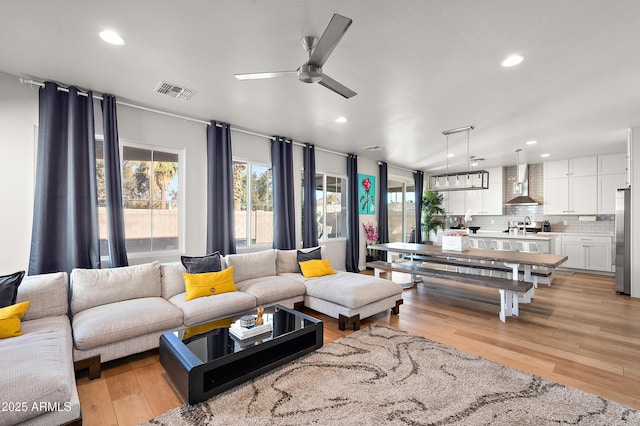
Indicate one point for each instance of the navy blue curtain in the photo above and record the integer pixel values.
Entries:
(113, 185)
(383, 208)
(65, 219)
(353, 219)
(284, 229)
(418, 182)
(309, 221)
(220, 213)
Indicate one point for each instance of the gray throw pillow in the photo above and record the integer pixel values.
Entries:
(202, 264)
(9, 288)
(309, 255)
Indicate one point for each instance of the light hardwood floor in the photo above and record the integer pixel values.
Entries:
(578, 332)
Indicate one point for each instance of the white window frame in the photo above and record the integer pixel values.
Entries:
(405, 182)
(181, 199)
(250, 163)
(325, 237)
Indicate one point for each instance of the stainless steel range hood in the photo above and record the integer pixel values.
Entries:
(521, 188)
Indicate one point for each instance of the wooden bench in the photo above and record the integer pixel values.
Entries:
(536, 274)
(509, 289)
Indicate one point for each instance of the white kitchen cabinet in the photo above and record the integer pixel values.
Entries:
(453, 203)
(486, 201)
(612, 164)
(612, 174)
(607, 186)
(575, 192)
(587, 252)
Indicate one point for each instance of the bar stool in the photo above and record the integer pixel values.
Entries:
(503, 245)
(528, 247)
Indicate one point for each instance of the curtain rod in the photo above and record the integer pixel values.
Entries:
(182, 117)
(170, 114)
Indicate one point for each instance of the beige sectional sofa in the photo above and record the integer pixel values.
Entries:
(37, 380)
(121, 311)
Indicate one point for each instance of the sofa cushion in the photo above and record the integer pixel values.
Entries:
(269, 290)
(316, 268)
(287, 260)
(209, 308)
(95, 287)
(349, 289)
(305, 256)
(48, 294)
(119, 321)
(252, 265)
(172, 279)
(10, 317)
(200, 264)
(9, 288)
(209, 283)
(37, 367)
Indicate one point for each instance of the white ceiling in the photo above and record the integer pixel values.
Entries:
(419, 67)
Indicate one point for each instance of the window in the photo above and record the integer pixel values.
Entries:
(331, 206)
(401, 206)
(150, 183)
(253, 203)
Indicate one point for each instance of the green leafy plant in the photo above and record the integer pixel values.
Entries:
(432, 207)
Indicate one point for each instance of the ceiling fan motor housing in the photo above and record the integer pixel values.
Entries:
(308, 73)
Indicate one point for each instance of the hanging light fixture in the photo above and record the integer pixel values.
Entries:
(467, 182)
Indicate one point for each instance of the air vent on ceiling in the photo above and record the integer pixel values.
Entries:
(174, 90)
(372, 148)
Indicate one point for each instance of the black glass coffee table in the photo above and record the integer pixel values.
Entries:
(208, 359)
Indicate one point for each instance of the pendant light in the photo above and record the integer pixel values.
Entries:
(463, 180)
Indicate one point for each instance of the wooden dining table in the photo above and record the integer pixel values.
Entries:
(512, 259)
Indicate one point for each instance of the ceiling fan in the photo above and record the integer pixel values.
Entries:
(319, 51)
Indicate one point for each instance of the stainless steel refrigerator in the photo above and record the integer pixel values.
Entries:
(623, 241)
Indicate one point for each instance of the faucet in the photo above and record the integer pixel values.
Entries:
(527, 221)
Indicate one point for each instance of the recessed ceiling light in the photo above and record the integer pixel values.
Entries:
(112, 37)
(512, 60)
(531, 142)
(341, 120)
(450, 155)
(545, 155)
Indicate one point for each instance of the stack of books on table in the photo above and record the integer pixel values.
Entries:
(246, 333)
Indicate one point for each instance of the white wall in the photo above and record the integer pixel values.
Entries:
(18, 120)
(633, 147)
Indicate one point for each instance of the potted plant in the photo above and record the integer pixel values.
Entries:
(431, 207)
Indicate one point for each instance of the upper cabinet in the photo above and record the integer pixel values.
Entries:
(571, 186)
(612, 174)
(583, 185)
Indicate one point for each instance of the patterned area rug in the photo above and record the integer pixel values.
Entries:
(380, 375)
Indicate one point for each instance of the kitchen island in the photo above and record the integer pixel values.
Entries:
(544, 242)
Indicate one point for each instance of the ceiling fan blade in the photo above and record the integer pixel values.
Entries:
(261, 75)
(332, 34)
(339, 88)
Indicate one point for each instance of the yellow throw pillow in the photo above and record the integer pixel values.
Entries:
(316, 268)
(10, 319)
(209, 283)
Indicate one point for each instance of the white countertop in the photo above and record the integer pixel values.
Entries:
(505, 235)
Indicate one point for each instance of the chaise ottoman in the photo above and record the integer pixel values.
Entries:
(349, 297)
